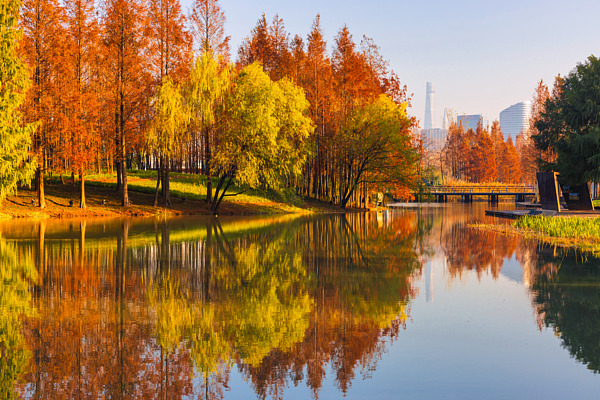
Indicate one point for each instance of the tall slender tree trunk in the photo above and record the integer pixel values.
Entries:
(158, 180)
(82, 189)
(207, 159)
(123, 162)
(40, 185)
(165, 183)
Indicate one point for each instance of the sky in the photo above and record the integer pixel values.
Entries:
(481, 55)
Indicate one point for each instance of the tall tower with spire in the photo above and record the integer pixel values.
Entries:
(429, 106)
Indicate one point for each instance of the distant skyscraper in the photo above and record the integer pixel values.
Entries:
(470, 121)
(447, 119)
(515, 119)
(429, 106)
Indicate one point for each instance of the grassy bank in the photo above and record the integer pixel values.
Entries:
(573, 232)
(188, 195)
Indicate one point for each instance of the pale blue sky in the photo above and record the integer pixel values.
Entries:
(483, 56)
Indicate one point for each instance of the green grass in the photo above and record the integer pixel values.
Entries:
(564, 227)
(568, 232)
(193, 187)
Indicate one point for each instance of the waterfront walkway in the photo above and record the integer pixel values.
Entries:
(441, 194)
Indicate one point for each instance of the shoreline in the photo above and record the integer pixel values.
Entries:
(103, 202)
(583, 243)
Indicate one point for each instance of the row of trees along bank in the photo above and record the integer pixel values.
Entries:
(141, 85)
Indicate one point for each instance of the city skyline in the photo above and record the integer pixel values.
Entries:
(478, 65)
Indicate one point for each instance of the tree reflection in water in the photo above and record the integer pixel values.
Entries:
(567, 300)
(165, 309)
(564, 285)
(16, 275)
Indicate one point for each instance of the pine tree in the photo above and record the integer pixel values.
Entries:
(15, 139)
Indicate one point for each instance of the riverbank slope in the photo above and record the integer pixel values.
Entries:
(188, 196)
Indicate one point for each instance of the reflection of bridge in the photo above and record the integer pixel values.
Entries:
(441, 193)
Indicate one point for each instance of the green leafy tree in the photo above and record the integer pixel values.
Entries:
(207, 87)
(169, 123)
(15, 139)
(570, 124)
(262, 118)
(378, 148)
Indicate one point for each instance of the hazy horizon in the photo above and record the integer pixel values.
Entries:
(481, 56)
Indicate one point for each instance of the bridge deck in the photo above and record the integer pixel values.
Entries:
(482, 193)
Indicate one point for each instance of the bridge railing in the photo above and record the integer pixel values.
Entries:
(482, 189)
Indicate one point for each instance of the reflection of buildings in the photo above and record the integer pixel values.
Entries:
(470, 121)
(436, 263)
(515, 119)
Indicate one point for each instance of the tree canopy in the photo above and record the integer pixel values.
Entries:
(570, 124)
(267, 127)
(15, 139)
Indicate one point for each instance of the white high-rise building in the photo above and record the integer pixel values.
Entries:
(433, 138)
(429, 106)
(448, 119)
(515, 119)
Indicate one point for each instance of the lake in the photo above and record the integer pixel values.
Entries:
(407, 303)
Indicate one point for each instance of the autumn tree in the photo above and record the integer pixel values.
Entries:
(43, 49)
(347, 72)
(485, 169)
(81, 89)
(15, 139)
(124, 44)
(166, 130)
(170, 48)
(208, 84)
(209, 80)
(549, 128)
(378, 148)
(208, 22)
(451, 151)
(317, 83)
(532, 158)
(170, 44)
(497, 137)
(280, 56)
(509, 169)
(258, 47)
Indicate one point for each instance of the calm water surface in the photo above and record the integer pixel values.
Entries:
(407, 304)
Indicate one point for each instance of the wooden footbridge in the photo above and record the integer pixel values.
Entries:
(466, 193)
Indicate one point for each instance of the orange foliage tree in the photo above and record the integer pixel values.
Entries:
(129, 80)
(170, 47)
(208, 22)
(83, 103)
(43, 48)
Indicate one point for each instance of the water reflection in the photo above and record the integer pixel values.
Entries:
(567, 300)
(564, 285)
(15, 301)
(190, 307)
(166, 309)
